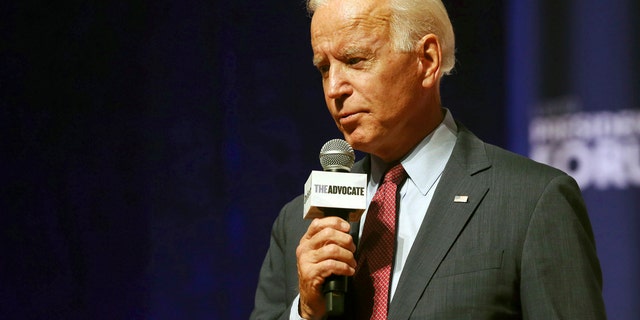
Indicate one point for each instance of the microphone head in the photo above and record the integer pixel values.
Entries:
(337, 155)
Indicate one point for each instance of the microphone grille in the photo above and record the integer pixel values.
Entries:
(337, 155)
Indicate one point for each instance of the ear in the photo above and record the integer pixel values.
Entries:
(430, 55)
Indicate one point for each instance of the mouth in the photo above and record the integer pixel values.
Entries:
(348, 114)
(346, 118)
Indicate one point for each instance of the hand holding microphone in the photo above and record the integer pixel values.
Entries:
(325, 253)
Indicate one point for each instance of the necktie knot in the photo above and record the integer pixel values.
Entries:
(395, 175)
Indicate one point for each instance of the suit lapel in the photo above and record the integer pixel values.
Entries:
(444, 221)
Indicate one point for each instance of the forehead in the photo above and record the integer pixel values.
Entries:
(350, 19)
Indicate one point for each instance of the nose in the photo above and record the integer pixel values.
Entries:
(336, 84)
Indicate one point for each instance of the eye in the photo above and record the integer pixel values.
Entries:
(324, 68)
(353, 61)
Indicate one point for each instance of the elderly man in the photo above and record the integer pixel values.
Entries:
(474, 231)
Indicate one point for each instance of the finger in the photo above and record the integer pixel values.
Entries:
(315, 273)
(337, 252)
(325, 231)
(320, 224)
(325, 260)
(331, 236)
(329, 267)
(307, 255)
(329, 252)
(327, 245)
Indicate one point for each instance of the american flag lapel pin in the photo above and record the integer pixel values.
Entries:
(461, 199)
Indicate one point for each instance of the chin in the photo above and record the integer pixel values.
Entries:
(358, 143)
(359, 138)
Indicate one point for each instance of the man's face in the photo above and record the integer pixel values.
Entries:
(373, 92)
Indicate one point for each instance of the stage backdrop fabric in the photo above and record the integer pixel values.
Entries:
(574, 102)
(148, 146)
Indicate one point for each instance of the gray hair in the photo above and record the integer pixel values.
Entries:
(413, 19)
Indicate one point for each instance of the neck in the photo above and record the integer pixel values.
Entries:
(422, 128)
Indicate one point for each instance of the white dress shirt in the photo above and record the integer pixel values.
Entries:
(424, 166)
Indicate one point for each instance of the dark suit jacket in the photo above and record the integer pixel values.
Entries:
(520, 247)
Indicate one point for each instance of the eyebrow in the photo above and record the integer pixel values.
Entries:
(347, 52)
(317, 59)
(355, 51)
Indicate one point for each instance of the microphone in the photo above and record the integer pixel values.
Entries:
(337, 156)
(335, 192)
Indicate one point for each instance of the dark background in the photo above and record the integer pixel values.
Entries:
(147, 147)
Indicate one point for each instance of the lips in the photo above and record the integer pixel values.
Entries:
(347, 115)
(347, 118)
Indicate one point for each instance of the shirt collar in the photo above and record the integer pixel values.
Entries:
(427, 160)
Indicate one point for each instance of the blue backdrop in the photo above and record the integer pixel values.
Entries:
(148, 146)
(574, 80)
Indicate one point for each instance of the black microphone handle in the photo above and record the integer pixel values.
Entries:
(335, 287)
